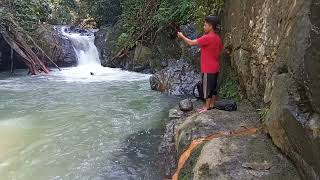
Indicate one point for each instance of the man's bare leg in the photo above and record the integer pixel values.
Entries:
(212, 102)
(207, 104)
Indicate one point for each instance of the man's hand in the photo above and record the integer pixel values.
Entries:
(180, 35)
(187, 40)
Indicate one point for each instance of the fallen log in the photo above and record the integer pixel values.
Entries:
(11, 33)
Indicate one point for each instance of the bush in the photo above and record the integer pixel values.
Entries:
(229, 89)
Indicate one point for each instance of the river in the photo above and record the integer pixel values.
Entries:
(73, 125)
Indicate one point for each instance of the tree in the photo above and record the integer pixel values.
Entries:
(103, 11)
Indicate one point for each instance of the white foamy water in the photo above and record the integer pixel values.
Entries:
(84, 47)
(83, 74)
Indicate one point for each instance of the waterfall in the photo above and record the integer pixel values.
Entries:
(83, 44)
(89, 67)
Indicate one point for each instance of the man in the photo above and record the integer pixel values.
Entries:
(211, 48)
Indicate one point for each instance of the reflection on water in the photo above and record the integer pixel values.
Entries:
(71, 125)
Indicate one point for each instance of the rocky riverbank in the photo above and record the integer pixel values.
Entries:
(229, 156)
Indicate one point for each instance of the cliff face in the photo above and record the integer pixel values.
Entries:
(276, 54)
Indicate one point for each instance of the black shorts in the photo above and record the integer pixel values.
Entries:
(210, 84)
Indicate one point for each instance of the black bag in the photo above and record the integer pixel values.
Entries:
(198, 91)
(226, 105)
(223, 104)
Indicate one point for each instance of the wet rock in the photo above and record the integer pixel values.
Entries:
(175, 113)
(56, 46)
(142, 56)
(167, 150)
(138, 60)
(75, 29)
(178, 78)
(186, 105)
(104, 44)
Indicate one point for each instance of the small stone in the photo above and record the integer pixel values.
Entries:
(175, 114)
(186, 105)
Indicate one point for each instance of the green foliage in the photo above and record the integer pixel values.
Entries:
(103, 11)
(229, 89)
(148, 16)
(205, 8)
(187, 171)
(137, 19)
(63, 11)
(263, 113)
(122, 39)
(177, 11)
(30, 12)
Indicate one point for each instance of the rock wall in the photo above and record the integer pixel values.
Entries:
(276, 54)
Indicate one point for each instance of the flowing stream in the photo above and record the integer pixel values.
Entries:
(74, 125)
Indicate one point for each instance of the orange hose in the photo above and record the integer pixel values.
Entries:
(195, 143)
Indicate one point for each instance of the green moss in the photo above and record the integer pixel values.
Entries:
(204, 170)
(187, 172)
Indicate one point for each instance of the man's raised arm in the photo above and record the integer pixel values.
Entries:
(187, 40)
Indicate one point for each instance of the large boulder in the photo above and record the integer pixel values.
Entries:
(142, 58)
(298, 138)
(178, 78)
(104, 44)
(56, 46)
(275, 52)
(248, 156)
(251, 157)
